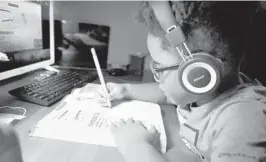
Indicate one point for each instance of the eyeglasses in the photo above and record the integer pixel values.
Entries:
(157, 70)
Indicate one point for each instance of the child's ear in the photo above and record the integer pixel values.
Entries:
(221, 66)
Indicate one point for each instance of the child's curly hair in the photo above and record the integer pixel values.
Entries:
(226, 21)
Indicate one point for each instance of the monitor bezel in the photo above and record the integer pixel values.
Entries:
(42, 64)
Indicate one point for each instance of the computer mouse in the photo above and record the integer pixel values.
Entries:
(117, 72)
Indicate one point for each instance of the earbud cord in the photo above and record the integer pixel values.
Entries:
(25, 111)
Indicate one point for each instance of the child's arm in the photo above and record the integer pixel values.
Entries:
(149, 92)
(144, 152)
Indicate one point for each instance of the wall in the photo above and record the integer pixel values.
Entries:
(127, 35)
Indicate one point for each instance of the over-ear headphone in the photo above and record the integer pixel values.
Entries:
(199, 73)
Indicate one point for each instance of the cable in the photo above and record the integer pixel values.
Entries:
(25, 111)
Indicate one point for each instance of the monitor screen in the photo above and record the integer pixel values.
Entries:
(78, 39)
(21, 38)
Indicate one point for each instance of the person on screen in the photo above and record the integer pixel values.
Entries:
(226, 125)
(83, 39)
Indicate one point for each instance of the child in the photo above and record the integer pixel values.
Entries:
(9, 145)
(226, 124)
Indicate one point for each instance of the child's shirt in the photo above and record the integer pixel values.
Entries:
(230, 128)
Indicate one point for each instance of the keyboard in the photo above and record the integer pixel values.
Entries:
(50, 89)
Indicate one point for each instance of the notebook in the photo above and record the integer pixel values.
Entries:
(80, 118)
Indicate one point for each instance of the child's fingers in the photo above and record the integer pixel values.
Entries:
(109, 86)
(111, 95)
(121, 123)
(101, 92)
(152, 130)
(113, 128)
(103, 95)
(157, 140)
(130, 121)
(158, 134)
(101, 99)
(99, 95)
(139, 123)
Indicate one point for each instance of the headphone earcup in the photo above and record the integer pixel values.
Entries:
(201, 74)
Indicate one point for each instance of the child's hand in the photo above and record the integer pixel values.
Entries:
(128, 134)
(116, 92)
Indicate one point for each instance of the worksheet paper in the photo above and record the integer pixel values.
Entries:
(83, 120)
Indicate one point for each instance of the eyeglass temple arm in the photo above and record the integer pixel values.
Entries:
(166, 68)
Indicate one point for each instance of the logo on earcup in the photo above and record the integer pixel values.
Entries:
(199, 77)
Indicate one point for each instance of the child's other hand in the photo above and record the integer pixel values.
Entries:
(130, 133)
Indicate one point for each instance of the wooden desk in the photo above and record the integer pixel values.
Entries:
(48, 150)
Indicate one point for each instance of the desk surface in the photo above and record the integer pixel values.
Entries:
(43, 150)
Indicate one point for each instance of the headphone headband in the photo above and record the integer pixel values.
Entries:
(164, 15)
(174, 33)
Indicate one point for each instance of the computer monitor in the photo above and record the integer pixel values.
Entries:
(21, 37)
(78, 39)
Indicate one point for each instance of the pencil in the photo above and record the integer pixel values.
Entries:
(99, 71)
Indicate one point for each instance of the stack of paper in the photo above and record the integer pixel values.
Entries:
(83, 120)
